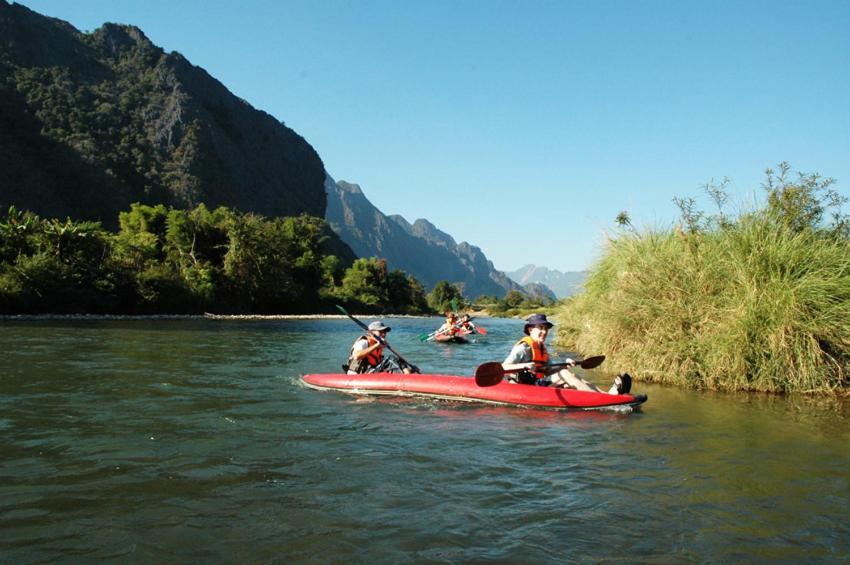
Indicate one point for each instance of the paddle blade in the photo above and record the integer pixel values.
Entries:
(592, 362)
(481, 330)
(489, 374)
(424, 337)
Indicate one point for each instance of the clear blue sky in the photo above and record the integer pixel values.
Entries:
(524, 127)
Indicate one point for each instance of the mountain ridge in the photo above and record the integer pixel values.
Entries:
(563, 284)
(109, 108)
(420, 248)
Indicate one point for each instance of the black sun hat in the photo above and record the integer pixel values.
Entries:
(537, 320)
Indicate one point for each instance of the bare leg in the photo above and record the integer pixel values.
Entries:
(567, 379)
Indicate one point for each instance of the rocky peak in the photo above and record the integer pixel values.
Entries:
(426, 230)
(349, 188)
(118, 39)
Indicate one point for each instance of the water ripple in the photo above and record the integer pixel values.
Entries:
(196, 441)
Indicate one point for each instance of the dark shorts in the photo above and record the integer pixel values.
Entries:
(526, 378)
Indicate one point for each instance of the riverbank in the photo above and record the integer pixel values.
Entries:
(208, 316)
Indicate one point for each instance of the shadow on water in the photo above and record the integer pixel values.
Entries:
(191, 440)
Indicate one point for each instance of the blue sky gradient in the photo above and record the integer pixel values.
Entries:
(525, 127)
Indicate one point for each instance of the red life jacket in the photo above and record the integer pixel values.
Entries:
(539, 355)
(370, 360)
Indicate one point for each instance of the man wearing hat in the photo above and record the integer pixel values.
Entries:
(531, 356)
(367, 353)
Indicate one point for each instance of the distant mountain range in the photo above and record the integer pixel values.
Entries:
(93, 122)
(419, 248)
(562, 284)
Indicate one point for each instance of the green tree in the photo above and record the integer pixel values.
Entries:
(365, 283)
(514, 299)
(405, 293)
(445, 296)
(55, 266)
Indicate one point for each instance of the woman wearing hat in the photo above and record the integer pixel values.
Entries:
(531, 356)
(367, 353)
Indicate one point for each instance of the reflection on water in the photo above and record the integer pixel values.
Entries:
(194, 440)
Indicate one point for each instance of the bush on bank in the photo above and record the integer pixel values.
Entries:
(759, 302)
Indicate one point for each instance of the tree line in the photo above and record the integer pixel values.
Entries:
(166, 260)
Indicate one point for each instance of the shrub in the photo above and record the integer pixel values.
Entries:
(759, 302)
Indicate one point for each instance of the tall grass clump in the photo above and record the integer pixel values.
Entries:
(758, 302)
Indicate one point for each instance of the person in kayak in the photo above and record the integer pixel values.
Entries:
(466, 324)
(531, 356)
(450, 327)
(367, 354)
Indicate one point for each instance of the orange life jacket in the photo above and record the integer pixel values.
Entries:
(539, 355)
(370, 360)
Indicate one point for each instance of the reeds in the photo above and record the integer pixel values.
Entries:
(746, 305)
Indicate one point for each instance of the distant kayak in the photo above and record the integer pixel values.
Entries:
(451, 387)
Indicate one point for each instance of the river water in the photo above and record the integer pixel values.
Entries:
(194, 441)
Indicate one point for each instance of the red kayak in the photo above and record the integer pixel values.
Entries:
(451, 339)
(457, 337)
(449, 387)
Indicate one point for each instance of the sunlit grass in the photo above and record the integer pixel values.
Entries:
(744, 305)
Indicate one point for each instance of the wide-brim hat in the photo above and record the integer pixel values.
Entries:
(537, 320)
(378, 327)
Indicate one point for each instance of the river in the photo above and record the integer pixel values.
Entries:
(194, 440)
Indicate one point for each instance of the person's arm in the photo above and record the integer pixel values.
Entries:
(362, 349)
(552, 361)
(519, 358)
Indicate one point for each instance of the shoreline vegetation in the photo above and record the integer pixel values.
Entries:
(166, 261)
(213, 316)
(169, 261)
(205, 316)
(759, 302)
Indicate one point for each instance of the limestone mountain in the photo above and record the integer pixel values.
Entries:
(91, 122)
(563, 284)
(540, 291)
(420, 248)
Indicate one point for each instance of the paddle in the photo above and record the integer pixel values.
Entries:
(489, 374)
(427, 337)
(381, 340)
